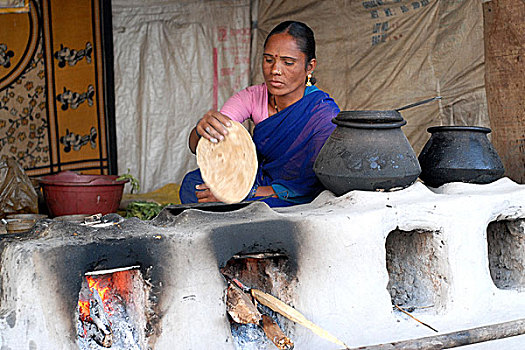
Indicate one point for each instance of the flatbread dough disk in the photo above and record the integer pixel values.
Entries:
(229, 166)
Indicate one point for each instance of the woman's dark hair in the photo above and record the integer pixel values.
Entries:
(303, 35)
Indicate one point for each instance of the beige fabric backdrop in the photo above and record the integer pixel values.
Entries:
(174, 60)
(386, 56)
(370, 56)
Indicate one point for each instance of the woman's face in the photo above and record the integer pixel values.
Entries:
(283, 66)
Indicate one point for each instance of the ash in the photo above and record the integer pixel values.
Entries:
(109, 324)
(251, 336)
(112, 310)
(125, 336)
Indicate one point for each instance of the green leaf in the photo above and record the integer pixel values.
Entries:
(135, 185)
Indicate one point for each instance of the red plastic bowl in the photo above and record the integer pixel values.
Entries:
(69, 193)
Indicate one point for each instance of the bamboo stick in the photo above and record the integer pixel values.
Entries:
(423, 323)
(455, 339)
(294, 315)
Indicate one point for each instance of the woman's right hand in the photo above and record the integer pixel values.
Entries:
(212, 126)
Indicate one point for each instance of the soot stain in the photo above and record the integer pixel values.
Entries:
(11, 319)
(73, 261)
(271, 236)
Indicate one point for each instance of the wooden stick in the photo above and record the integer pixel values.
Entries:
(455, 339)
(293, 315)
(423, 323)
(275, 334)
(117, 269)
(240, 307)
(103, 334)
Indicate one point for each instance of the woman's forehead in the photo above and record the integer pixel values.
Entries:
(282, 45)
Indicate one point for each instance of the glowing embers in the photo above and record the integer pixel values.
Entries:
(113, 310)
(506, 249)
(253, 325)
(418, 268)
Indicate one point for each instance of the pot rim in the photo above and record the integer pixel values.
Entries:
(82, 184)
(381, 116)
(370, 119)
(369, 124)
(483, 129)
(26, 216)
(70, 178)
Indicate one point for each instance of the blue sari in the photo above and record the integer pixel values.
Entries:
(287, 145)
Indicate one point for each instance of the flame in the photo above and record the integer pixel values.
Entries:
(83, 309)
(109, 287)
(102, 286)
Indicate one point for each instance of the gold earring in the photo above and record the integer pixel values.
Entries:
(308, 82)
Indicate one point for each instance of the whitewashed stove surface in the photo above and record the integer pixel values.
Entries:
(458, 249)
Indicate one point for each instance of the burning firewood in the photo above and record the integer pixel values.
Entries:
(240, 307)
(275, 334)
(244, 311)
(101, 333)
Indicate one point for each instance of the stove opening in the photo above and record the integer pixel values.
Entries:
(253, 325)
(506, 250)
(113, 310)
(417, 269)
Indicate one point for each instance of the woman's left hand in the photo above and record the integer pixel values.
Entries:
(204, 194)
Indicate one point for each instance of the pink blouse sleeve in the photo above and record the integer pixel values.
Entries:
(238, 106)
(247, 103)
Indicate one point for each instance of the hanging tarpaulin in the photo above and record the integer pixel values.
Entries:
(174, 61)
(386, 54)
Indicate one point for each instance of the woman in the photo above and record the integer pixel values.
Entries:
(292, 121)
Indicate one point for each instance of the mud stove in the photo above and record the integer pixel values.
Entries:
(452, 257)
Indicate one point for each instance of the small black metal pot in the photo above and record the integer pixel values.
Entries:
(367, 151)
(459, 154)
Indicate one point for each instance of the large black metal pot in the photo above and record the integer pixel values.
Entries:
(367, 151)
(459, 154)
